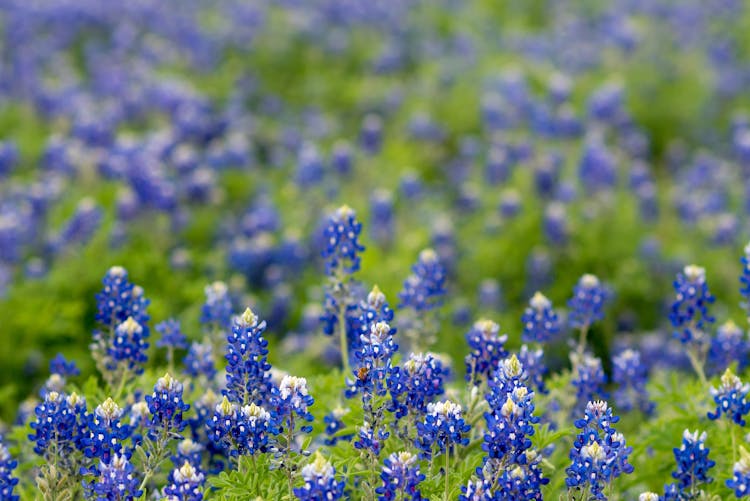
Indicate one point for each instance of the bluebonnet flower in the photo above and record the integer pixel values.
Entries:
(442, 429)
(693, 463)
(371, 135)
(540, 322)
(185, 483)
(416, 383)
(373, 362)
(361, 319)
(745, 279)
(689, 313)
(7, 481)
(190, 451)
(648, 496)
(630, 374)
(369, 439)
(342, 247)
(533, 364)
(292, 400)
(120, 299)
(309, 166)
(599, 454)
(128, 347)
(241, 431)
(425, 287)
(334, 424)
(487, 350)
(59, 365)
(555, 224)
(522, 480)
(740, 481)
(199, 361)
(510, 420)
(217, 310)
(106, 433)
(248, 376)
(381, 216)
(589, 380)
(166, 406)
(728, 346)
(59, 426)
(342, 157)
(116, 481)
(587, 304)
(477, 489)
(171, 334)
(730, 398)
(401, 478)
(320, 482)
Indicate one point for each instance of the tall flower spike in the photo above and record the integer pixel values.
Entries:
(373, 362)
(727, 347)
(740, 481)
(248, 370)
(7, 481)
(533, 365)
(630, 374)
(689, 314)
(342, 247)
(120, 299)
(693, 464)
(540, 322)
(199, 361)
(589, 380)
(166, 406)
(105, 432)
(588, 301)
(217, 310)
(599, 453)
(116, 481)
(487, 350)
(293, 400)
(59, 365)
(731, 398)
(185, 483)
(401, 478)
(320, 482)
(128, 347)
(416, 383)
(424, 289)
(171, 334)
(442, 429)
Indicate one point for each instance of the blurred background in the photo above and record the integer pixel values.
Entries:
(526, 141)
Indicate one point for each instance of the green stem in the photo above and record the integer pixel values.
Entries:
(447, 464)
(697, 365)
(582, 339)
(734, 442)
(170, 359)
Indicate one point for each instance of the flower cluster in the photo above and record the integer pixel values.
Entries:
(171, 335)
(106, 433)
(7, 481)
(629, 373)
(425, 287)
(534, 367)
(241, 431)
(731, 398)
(342, 245)
(185, 484)
(693, 465)
(217, 310)
(487, 350)
(401, 477)
(62, 367)
(416, 383)
(588, 301)
(199, 361)
(740, 481)
(589, 380)
(58, 425)
(689, 314)
(293, 400)
(120, 299)
(166, 406)
(728, 346)
(248, 376)
(320, 482)
(373, 361)
(442, 429)
(540, 322)
(599, 454)
(510, 420)
(116, 480)
(128, 347)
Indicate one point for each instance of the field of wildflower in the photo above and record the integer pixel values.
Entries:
(380, 250)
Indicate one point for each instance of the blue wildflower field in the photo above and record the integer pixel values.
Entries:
(374, 250)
